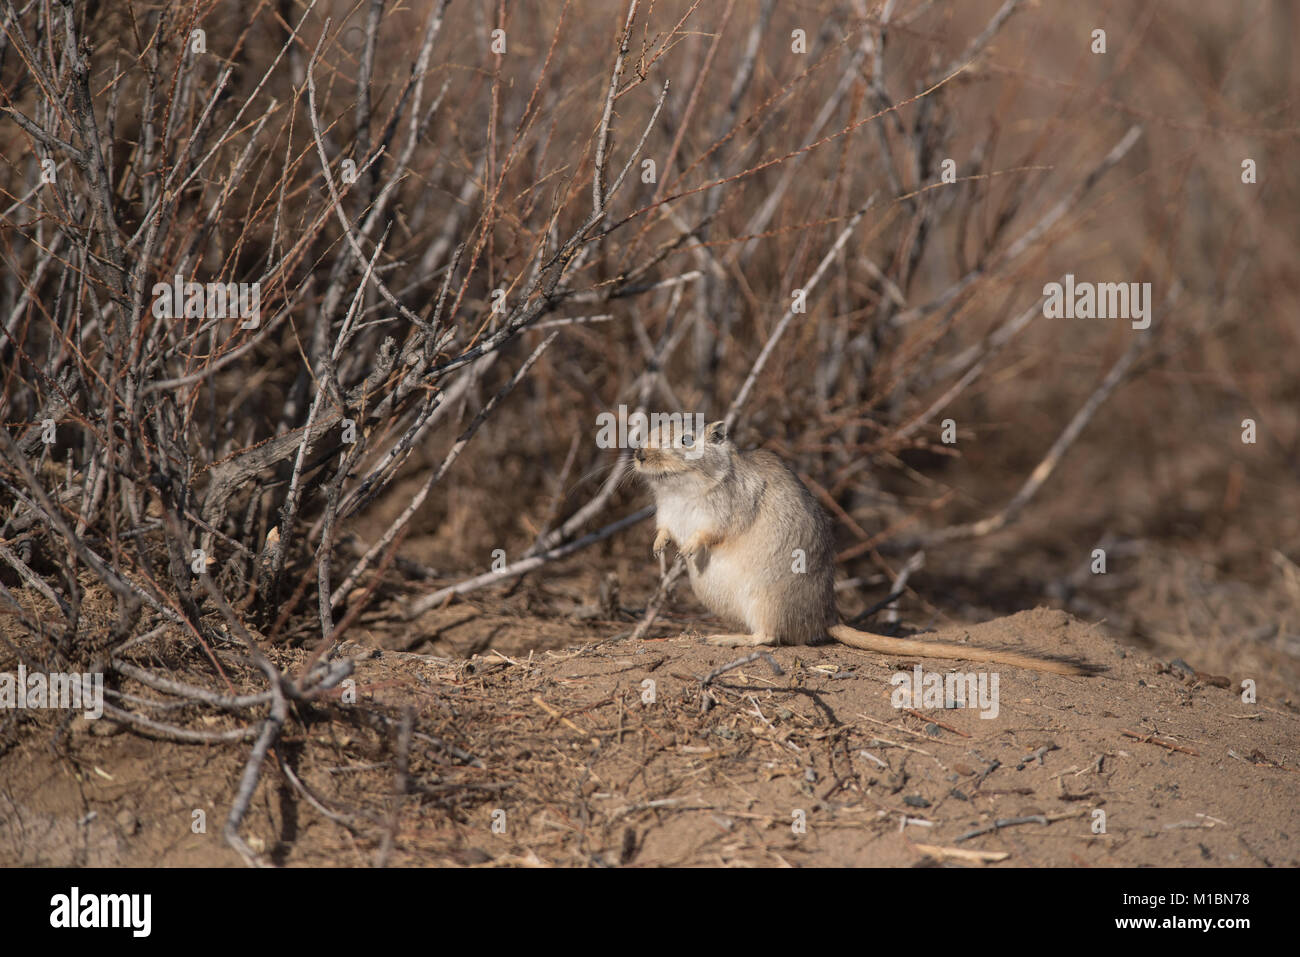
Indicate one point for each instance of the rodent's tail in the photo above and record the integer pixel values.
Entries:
(934, 649)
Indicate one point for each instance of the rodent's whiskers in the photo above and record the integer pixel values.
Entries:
(603, 468)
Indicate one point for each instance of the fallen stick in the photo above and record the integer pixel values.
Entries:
(723, 669)
(1014, 821)
(1152, 739)
(928, 720)
(961, 854)
(537, 700)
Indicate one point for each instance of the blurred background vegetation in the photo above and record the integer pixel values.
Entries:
(492, 161)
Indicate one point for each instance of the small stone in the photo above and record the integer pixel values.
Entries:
(476, 855)
(104, 728)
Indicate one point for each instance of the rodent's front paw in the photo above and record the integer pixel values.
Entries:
(692, 546)
(661, 542)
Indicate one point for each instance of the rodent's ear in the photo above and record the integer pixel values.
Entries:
(716, 431)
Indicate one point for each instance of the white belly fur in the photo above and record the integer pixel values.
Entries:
(723, 585)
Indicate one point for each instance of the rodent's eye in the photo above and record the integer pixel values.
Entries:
(688, 441)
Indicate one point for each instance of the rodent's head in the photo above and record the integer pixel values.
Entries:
(670, 452)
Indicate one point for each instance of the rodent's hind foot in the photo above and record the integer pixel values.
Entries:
(740, 641)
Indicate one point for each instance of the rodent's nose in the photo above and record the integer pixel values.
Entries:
(639, 455)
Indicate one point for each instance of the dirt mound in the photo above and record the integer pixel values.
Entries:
(613, 752)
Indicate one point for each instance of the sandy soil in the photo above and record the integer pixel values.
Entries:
(560, 748)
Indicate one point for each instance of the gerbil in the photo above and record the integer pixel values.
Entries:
(758, 547)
